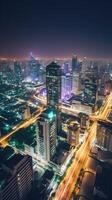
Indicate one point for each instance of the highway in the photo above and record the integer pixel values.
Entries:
(104, 111)
(66, 186)
(25, 124)
(88, 179)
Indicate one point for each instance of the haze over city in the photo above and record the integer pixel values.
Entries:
(56, 28)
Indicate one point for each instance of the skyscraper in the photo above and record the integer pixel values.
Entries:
(66, 86)
(76, 83)
(90, 92)
(18, 72)
(46, 134)
(34, 68)
(104, 135)
(74, 64)
(75, 75)
(84, 68)
(53, 84)
(16, 176)
(66, 68)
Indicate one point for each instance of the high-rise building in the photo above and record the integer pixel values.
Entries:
(74, 64)
(73, 133)
(76, 67)
(104, 135)
(16, 176)
(76, 85)
(34, 68)
(46, 134)
(85, 64)
(90, 92)
(53, 84)
(18, 72)
(66, 68)
(42, 74)
(66, 86)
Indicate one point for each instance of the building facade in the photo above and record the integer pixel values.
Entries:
(47, 134)
(104, 136)
(53, 84)
(16, 177)
(66, 86)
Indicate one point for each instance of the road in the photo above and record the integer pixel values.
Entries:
(66, 186)
(25, 124)
(104, 111)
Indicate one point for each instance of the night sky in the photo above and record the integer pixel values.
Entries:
(54, 28)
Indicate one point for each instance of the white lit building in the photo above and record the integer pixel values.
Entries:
(46, 134)
(75, 83)
(66, 86)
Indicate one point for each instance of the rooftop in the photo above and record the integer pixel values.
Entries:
(13, 161)
(106, 124)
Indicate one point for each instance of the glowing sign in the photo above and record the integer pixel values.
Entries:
(51, 115)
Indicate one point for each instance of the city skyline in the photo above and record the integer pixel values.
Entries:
(55, 100)
(56, 122)
(56, 28)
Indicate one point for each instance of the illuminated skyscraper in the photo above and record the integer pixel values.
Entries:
(34, 68)
(53, 84)
(18, 72)
(76, 85)
(90, 92)
(46, 134)
(66, 68)
(66, 86)
(75, 75)
(85, 64)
